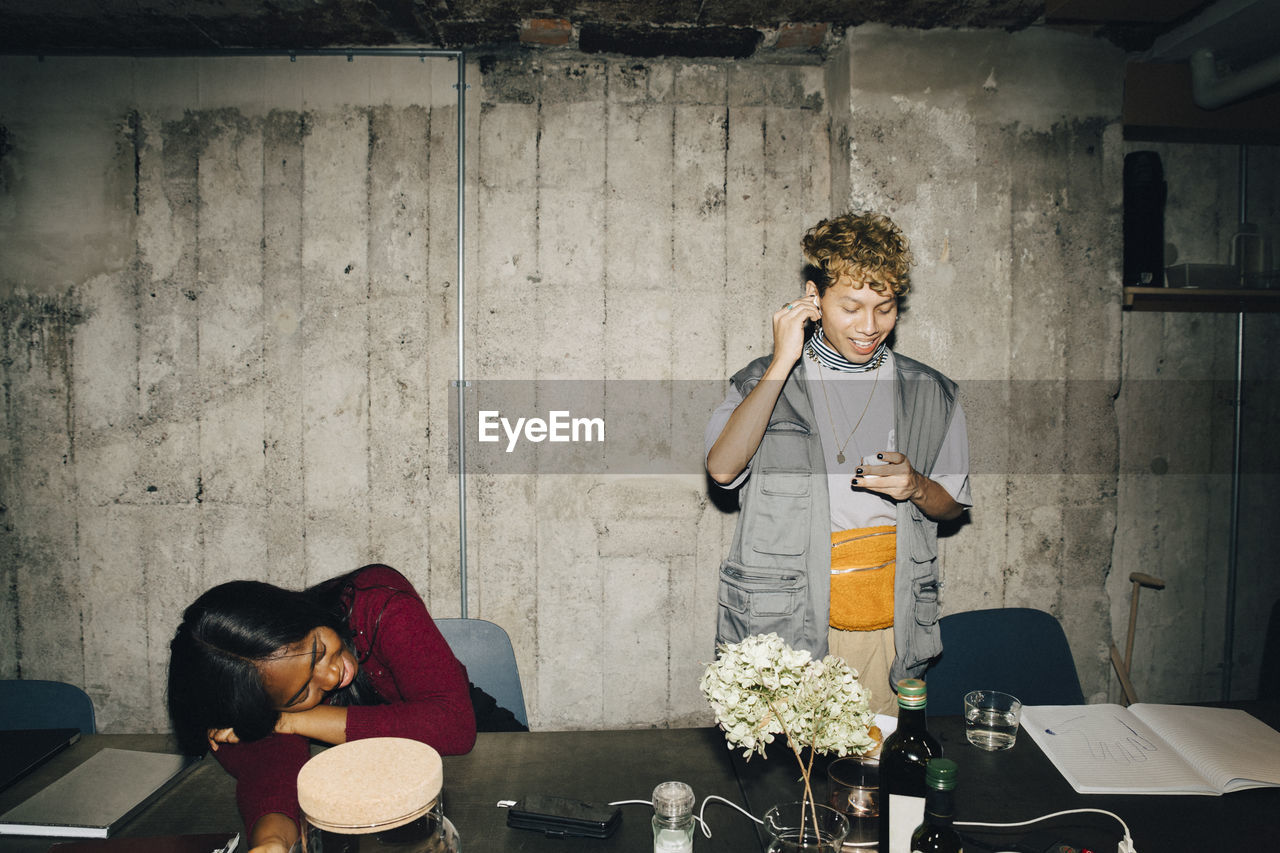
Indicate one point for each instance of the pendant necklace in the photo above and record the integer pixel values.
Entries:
(840, 446)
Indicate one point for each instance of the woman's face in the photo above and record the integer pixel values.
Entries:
(855, 318)
(301, 675)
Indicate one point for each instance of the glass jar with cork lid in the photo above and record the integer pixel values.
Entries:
(375, 794)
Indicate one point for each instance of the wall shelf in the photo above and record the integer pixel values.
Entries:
(1232, 301)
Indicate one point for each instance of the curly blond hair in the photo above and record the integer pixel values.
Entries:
(866, 247)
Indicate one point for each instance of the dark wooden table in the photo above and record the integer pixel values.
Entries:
(1021, 783)
(607, 766)
(597, 766)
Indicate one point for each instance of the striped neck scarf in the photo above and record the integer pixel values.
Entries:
(826, 355)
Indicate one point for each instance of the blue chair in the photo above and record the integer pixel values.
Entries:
(485, 650)
(1016, 650)
(32, 704)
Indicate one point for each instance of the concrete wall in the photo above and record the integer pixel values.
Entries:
(226, 337)
(634, 221)
(229, 330)
(1178, 422)
(1000, 155)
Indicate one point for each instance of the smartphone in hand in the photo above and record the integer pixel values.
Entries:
(870, 461)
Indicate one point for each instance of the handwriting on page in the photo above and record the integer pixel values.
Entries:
(1118, 742)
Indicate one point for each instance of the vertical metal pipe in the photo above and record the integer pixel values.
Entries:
(1229, 622)
(1229, 619)
(1242, 182)
(462, 324)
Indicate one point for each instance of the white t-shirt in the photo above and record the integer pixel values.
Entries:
(840, 401)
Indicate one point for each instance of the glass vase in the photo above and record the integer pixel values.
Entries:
(375, 794)
(790, 828)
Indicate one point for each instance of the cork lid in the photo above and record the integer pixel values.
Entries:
(370, 785)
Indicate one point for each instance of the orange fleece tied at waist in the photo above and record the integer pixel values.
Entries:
(862, 567)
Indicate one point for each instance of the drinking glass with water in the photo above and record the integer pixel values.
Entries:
(991, 719)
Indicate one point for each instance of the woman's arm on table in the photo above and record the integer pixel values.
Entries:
(418, 674)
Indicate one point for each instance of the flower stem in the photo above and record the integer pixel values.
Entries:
(808, 795)
(806, 770)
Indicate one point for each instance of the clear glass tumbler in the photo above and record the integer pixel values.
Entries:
(855, 791)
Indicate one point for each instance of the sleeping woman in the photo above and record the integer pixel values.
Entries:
(256, 672)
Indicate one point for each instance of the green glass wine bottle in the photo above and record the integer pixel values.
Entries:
(936, 834)
(902, 766)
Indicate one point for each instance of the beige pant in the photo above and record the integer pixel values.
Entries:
(870, 653)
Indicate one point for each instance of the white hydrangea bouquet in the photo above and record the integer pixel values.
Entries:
(761, 687)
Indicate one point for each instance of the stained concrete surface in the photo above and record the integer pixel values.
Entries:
(229, 342)
(633, 27)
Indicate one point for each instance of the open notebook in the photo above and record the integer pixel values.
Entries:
(1156, 749)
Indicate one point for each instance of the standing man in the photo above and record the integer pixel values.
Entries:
(848, 455)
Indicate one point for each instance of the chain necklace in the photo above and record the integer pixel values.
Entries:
(840, 446)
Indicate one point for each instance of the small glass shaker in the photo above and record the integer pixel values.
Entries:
(673, 818)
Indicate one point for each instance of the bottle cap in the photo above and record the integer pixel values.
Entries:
(940, 773)
(911, 693)
(673, 799)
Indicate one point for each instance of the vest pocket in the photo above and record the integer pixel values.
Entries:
(923, 547)
(926, 608)
(755, 601)
(786, 426)
(924, 643)
(784, 483)
(781, 513)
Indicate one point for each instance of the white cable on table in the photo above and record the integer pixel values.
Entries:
(1126, 843)
(706, 829)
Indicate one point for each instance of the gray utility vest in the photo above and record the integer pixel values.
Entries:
(777, 577)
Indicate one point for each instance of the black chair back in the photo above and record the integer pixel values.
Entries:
(1016, 650)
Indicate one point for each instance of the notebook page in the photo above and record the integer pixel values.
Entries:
(1105, 749)
(1232, 748)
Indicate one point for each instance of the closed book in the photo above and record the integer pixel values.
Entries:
(96, 797)
(216, 842)
(26, 749)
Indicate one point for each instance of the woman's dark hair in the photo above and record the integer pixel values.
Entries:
(214, 681)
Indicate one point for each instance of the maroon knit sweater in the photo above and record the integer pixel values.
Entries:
(410, 665)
